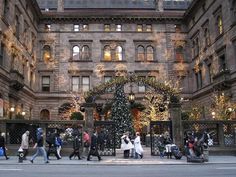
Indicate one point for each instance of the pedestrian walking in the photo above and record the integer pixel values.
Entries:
(52, 146)
(40, 146)
(76, 146)
(25, 143)
(87, 142)
(58, 144)
(94, 147)
(138, 147)
(126, 144)
(2, 145)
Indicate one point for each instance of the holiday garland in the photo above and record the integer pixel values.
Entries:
(166, 88)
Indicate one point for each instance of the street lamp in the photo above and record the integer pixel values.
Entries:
(12, 110)
(131, 95)
(213, 114)
(23, 113)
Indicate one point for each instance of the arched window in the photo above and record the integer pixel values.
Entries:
(107, 53)
(150, 53)
(47, 53)
(76, 51)
(220, 24)
(44, 115)
(85, 52)
(141, 53)
(179, 55)
(118, 54)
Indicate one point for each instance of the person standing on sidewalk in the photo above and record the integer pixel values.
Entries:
(126, 144)
(138, 147)
(40, 147)
(25, 143)
(2, 145)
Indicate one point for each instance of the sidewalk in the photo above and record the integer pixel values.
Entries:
(111, 160)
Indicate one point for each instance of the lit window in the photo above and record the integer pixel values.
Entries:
(220, 24)
(149, 28)
(46, 83)
(85, 83)
(85, 27)
(150, 53)
(118, 54)
(118, 27)
(47, 27)
(75, 83)
(85, 52)
(76, 27)
(141, 53)
(139, 28)
(107, 27)
(107, 53)
(76, 51)
(47, 56)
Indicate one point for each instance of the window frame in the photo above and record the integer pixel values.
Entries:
(44, 86)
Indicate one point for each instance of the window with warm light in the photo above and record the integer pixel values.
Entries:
(118, 53)
(220, 24)
(150, 53)
(107, 53)
(139, 28)
(85, 27)
(76, 52)
(47, 56)
(141, 53)
(107, 27)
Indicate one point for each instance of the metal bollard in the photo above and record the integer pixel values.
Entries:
(20, 155)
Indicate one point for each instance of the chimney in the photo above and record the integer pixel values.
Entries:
(60, 6)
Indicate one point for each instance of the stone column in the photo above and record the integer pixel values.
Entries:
(175, 115)
(89, 121)
(60, 6)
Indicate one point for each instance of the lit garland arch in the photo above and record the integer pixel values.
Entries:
(165, 88)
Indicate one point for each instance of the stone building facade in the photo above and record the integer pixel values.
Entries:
(53, 51)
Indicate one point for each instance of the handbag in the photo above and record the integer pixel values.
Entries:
(1, 151)
(126, 141)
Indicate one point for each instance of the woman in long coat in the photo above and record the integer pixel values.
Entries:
(126, 144)
(138, 147)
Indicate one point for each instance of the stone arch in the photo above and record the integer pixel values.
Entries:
(44, 114)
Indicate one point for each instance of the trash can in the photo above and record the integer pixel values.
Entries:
(20, 155)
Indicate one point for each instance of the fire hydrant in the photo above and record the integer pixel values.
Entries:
(20, 155)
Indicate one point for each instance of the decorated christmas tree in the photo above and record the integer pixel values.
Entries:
(120, 113)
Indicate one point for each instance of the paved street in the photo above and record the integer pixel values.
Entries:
(205, 170)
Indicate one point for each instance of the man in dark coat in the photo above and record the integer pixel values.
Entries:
(76, 146)
(2, 145)
(94, 147)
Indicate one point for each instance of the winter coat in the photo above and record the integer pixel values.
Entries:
(124, 145)
(137, 145)
(25, 141)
